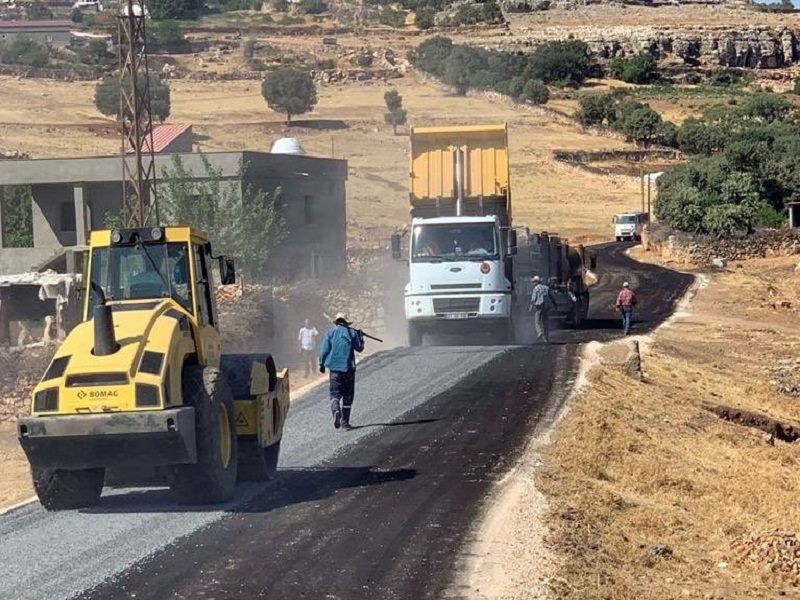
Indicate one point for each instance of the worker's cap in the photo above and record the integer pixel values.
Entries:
(626, 284)
(536, 279)
(342, 318)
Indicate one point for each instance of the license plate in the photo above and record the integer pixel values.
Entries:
(456, 315)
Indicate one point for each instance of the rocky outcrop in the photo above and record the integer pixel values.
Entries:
(762, 48)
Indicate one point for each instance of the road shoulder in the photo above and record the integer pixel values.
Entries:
(676, 485)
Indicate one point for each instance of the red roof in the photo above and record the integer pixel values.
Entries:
(42, 24)
(165, 134)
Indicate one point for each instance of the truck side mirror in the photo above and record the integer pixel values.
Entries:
(227, 270)
(397, 252)
(512, 241)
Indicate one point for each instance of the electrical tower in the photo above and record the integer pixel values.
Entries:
(139, 200)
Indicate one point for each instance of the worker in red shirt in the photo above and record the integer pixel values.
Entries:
(626, 300)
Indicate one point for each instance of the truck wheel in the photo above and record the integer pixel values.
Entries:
(212, 478)
(414, 335)
(59, 489)
(257, 463)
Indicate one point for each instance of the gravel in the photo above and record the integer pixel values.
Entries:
(57, 555)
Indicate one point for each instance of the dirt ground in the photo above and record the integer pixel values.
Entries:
(15, 481)
(649, 493)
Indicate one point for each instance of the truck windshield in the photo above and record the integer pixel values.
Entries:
(454, 241)
(142, 271)
(626, 219)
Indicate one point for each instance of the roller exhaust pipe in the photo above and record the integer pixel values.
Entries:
(105, 341)
(459, 169)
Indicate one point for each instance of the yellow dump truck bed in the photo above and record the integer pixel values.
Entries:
(432, 188)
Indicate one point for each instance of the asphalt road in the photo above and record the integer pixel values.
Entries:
(379, 512)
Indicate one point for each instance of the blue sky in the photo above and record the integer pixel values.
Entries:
(795, 2)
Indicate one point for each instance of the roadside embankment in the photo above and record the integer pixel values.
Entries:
(684, 483)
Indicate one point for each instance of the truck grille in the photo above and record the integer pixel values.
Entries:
(456, 305)
(456, 286)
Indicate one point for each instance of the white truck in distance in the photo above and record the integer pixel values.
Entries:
(461, 242)
(629, 225)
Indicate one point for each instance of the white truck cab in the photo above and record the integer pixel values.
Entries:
(456, 273)
(629, 225)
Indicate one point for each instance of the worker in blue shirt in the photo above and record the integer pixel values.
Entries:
(337, 354)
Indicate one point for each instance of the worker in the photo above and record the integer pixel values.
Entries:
(626, 300)
(541, 304)
(337, 354)
(307, 338)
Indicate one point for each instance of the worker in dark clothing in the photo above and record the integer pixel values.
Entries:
(337, 354)
(626, 300)
(541, 303)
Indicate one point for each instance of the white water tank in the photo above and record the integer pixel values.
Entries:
(287, 145)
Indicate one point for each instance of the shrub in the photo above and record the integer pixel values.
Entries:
(667, 134)
(595, 109)
(25, 51)
(535, 92)
(468, 14)
(492, 13)
(693, 78)
(432, 54)
(38, 11)
(561, 63)
(364, 59)
(796, 88)
(396, 114)
(425, 17)
(313, 7)
(290, 91)
(280, 5)
(76, 16)
(167, 34)
(392, 17)
(639, 69)
(641, 124)
(175, 9)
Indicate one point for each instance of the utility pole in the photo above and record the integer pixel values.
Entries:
(139, 200)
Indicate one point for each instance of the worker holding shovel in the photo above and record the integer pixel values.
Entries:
(337, 355)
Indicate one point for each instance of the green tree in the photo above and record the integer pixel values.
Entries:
(639, 69)
(765, 107)
(425, 17)
(24, 51)
(96, 53)
(667, 134)
(563, 63)
(17, 211)
(431, 55)
(313, 7)
(641, 125)
(290, 91)
(395, 113)
(167, 34)
(280, 5)
(106, 96)
(392, 17)
(535, 92)
(457, 70)
(595, 109)
(38, 11)
(76, 16)
(697, 137)
(175, 9)
(492, 13)
(247, 225)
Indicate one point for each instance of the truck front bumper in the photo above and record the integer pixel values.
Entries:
(157, 437)
(453, 308)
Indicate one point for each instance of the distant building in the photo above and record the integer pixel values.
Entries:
(73, 195)
(53, 33)
(171, 138)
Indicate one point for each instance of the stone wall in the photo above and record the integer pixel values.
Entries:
(702, 250)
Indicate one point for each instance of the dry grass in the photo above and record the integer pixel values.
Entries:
(58, 119)
(635, 465)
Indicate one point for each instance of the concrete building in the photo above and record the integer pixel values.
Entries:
(73, 195)
(53, 33)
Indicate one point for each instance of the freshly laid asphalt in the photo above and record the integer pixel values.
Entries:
(378, 512)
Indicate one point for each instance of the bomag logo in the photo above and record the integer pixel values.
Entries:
(98, 395)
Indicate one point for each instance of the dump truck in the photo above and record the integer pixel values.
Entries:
(141, 382)
(462, 244)
(566, 269)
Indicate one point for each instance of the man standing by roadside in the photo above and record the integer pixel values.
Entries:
(307, 338)
(541, 303)
(337, 354)
(626, 300)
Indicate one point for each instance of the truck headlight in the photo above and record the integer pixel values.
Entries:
(46, 400)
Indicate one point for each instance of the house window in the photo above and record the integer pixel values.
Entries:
(67, 216)
(308, 208)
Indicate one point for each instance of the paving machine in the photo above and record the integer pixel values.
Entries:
(141, 382)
